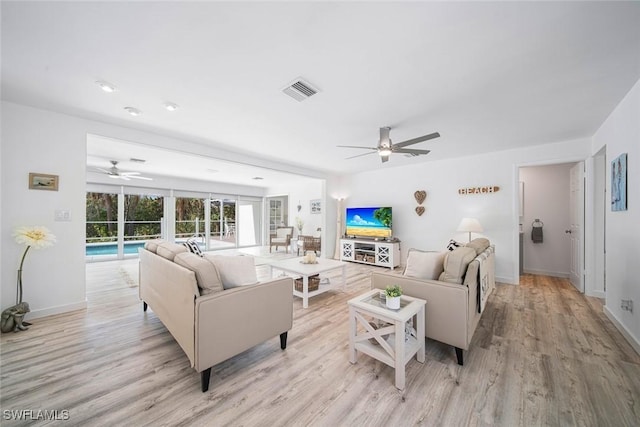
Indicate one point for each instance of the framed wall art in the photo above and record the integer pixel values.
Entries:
(316, 206)
(42, 181)
(619, 183)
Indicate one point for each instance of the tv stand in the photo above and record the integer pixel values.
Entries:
(369, 251)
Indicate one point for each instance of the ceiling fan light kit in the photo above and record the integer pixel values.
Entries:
(386, 148)
(115, 173)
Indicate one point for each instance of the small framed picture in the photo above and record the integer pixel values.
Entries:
(42, 181)
(316, 206)
(619, 183)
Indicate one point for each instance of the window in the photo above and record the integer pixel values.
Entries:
(143, 217)
(190, 219)
(102, 217)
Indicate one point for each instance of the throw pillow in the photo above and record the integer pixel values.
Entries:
(152, 245)
(169, 250)
(453, 244)
(479, 244)
(234, 271)
(193, 247)
(206, 274)
(456, 263)
(424, 265)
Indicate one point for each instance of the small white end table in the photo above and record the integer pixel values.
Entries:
(398, 348)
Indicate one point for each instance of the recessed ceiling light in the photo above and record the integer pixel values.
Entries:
(106, 86)
(133, 111)
(257, 178)
(170, 106)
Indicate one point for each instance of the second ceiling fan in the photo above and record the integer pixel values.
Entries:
(115, 172)
(385, 147)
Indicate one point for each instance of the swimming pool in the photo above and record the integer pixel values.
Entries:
(112, 248)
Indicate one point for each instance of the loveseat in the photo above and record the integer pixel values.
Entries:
(213, 306)
(455, 284)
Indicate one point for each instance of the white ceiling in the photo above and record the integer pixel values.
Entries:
(486, 75)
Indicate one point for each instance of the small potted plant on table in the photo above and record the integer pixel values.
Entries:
(393, 296)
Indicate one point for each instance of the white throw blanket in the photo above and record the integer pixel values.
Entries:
(486, 280)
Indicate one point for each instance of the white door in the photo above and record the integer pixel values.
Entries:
(576, 199)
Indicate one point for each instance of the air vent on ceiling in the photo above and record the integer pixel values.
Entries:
(300, 90)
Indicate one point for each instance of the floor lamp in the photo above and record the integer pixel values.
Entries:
(470, 225)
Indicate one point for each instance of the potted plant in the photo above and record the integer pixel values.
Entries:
(393, 296)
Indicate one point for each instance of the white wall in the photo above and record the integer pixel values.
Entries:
(546, 197)
(35, 140)
(620, 133)
(301, 192)
(38, 141)
(498, 212)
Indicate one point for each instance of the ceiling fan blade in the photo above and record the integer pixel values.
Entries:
(356, 146)
(384, 136)
(410, 151)
(102, 170)
(138, 177)
(417, 140)
(384, 158)
(126, 178)
(129, 173)
(359, 155)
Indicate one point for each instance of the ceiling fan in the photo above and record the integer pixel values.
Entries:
(385, 147)
(115, 173)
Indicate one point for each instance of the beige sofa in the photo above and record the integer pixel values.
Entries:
(210, 323)
(466, 277)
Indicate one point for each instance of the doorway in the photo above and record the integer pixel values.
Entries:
(552, 220)
(277, 212)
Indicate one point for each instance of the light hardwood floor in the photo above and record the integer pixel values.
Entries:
(543, 354)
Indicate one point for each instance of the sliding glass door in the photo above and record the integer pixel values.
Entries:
(222, 222)
(249, 223)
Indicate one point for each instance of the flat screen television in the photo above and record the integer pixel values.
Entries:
(369, 222)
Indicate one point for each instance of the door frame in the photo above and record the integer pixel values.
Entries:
(266, 207)
(587, 248)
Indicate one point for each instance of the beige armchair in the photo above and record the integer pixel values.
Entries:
(309, 243)
(282, 237)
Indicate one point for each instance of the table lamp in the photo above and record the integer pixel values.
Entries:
(470, 225)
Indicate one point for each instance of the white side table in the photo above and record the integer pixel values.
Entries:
(396, 351)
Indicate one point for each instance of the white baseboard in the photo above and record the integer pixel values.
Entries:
(506, 280)
(35, 314)
(597, 294)
(546, 273)
(635, 343)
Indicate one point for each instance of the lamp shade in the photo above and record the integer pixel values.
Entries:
(470, 225)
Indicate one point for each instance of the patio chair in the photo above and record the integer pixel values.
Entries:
(309, 243)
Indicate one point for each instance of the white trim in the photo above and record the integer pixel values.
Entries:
(50, 311)
(597, 294)
(516, 205)
(623, 330)
(547, 273)
(506, 280)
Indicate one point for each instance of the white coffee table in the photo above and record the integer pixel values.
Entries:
(296, 267)
(397, 351)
